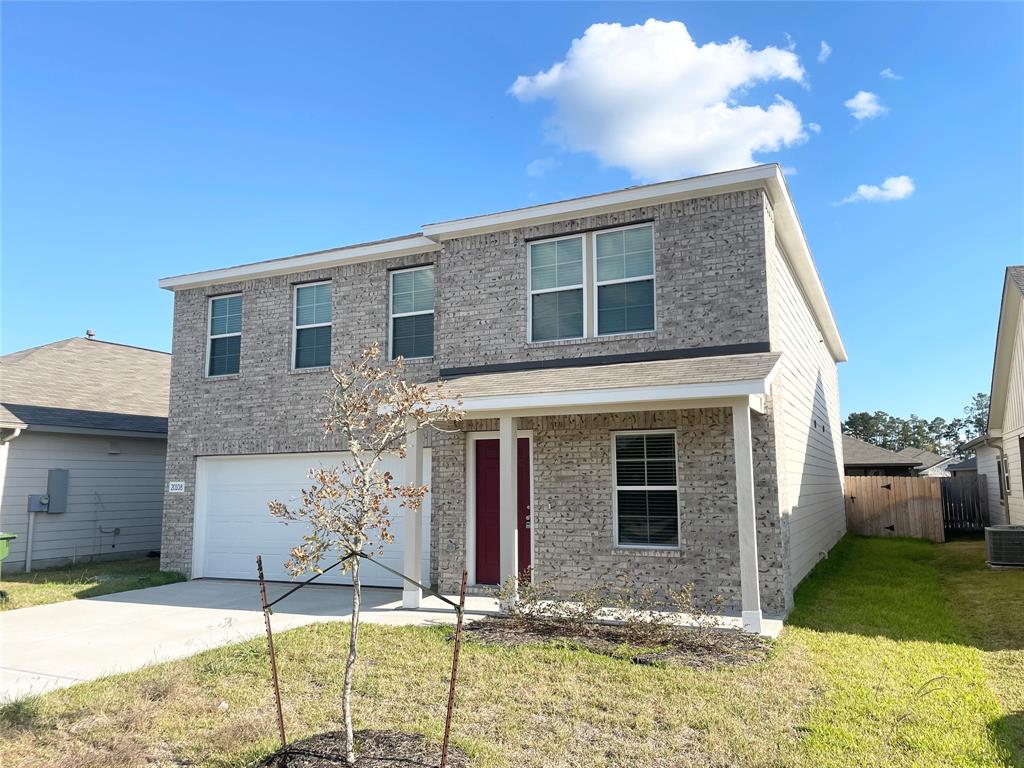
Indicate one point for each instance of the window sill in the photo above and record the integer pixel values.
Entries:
(223, 377)
(648, 551)
(592, 339)
(314, 369)
(415, 359)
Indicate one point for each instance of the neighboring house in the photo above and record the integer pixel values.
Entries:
(928, 464)
(84, 421)
(965, 468)
(862, 458)
(1000, 452)
(649, 377)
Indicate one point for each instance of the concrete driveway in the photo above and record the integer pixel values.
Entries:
(54, 646)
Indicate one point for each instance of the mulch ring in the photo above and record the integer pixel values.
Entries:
(374, 749)
(683, 646)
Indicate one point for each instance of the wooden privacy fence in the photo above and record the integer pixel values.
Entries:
(894, 506)
(964, 503)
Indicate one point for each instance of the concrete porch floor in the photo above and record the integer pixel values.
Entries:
(54, 646)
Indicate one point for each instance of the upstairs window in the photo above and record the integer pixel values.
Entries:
(646, 498)
(412, 313)
(556, 289)
(312, 342)
(225, 344)
(624, 272)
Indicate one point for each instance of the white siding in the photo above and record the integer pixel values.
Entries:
(105, 490)
(805, 394)
(1013, 425)
(987, 456)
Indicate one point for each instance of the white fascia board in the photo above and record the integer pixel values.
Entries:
(591, 205)
(403, 246)
(641, 397)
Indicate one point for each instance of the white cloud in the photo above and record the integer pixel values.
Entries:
(824, 52)
(814, 128)
(888, 74)
(540, 166)
(789, 170)
(865, 106)
(650, 99)
(893, 188)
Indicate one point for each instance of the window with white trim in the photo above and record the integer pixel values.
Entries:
(224, 349)
(624, 279)
(312, 340)
(412, 312)
(646, 493)
(556, 289)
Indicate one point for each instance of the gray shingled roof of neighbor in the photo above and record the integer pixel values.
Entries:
(857, 453)
(924, 458)
(971, 463)
(700, 370)
(86, 384)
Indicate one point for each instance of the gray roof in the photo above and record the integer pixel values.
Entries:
(971, 463)
(700, 370)
(921, 456)
(857, 453)
(1017, 276)
(84, 383)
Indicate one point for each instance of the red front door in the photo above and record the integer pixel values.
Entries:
(488, 498)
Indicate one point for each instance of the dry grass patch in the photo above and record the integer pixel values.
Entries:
(54, 585)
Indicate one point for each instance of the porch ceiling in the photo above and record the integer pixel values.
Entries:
(640, 386)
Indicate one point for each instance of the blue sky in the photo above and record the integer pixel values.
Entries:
(143, 140)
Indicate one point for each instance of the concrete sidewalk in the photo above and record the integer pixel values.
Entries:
(54, 646)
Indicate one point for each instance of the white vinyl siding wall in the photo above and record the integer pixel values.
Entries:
(105, 490)
(1013, 425)
(805, 396)
(987, 457)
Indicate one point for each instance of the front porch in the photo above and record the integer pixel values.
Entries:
(574, 516)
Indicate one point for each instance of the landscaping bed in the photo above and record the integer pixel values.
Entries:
(376, 749)
(681, 646)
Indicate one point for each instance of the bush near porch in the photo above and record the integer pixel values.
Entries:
(899, 653)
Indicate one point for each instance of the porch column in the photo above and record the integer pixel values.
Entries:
(413, 528)
(747, 518)
(508, 517)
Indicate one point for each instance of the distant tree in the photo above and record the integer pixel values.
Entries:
(938, 435)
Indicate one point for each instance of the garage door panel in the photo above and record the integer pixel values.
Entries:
(234, 524)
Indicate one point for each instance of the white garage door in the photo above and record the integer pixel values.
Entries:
(233, 524)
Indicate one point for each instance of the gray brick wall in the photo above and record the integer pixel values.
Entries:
(572, 511)
(711, 289)
(710, 284)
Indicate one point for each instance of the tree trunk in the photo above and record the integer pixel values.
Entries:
(350, 662)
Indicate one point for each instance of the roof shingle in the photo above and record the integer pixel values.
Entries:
(701, 370)
(85, 383)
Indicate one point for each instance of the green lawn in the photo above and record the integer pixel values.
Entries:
(895, 656)
(54, 585)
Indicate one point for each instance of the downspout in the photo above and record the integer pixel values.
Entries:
(14, 433)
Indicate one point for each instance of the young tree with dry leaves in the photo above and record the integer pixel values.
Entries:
(375, 410)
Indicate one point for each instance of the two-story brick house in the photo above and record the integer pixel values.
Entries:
(649, 378)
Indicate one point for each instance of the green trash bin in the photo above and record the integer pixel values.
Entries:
(5, 550)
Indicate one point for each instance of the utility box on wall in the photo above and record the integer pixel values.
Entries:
(57, 491)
